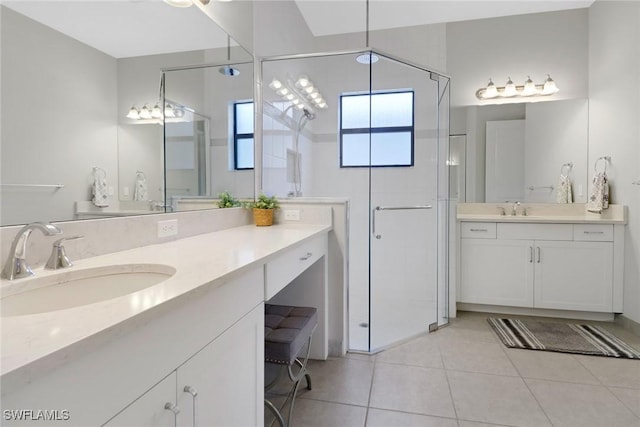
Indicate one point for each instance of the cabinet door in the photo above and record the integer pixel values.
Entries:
(497, 272)
(149, 409)
(228, 377)
(574, 276)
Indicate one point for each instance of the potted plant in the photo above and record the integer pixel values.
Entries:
(227, 200)
(263, 209)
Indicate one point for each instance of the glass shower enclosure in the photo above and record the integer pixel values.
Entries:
(373, 129)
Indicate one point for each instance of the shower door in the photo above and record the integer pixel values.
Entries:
(404, 203)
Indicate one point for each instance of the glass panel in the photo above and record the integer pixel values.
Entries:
(392, 109)
(244, 118)
(391, 149)
(355, 112)
(244, 153)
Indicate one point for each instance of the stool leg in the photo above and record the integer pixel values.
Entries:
(276, 413)
(308, 378)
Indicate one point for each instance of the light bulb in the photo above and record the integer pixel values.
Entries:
(303, 81)
(309, 89)
(300, 106)
(275, 84)
(490, 91)
(295, 101)
(509, 88)
(289, 97)
(529, 87)
(549, 86)
(156, 113)
(283, 91)
(322, 105)
(168, 111)
(145, 113)
(133, 113)
(314, 95)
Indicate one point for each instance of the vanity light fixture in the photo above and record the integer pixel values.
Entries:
(155, 113)
(510, 90)
(302, 94)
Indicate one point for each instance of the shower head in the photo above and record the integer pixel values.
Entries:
(308, 114)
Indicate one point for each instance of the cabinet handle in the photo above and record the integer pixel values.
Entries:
(538, 249)
(194, 393)
(531, 254)
(479, 229)
(306, 257)
(593, 232)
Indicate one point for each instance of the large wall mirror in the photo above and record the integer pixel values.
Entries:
(518, 152)
(71, 73)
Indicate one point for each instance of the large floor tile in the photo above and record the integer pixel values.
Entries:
(495, 399)
(630, 397)
(546, 365)
(581, 405)
(411, 389)
(382, 418)
(612, 371)
(418, 352)
(340, 380)
(481, 357)
(463, 423)
(314, 413)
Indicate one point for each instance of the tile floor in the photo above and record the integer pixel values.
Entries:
(462, 376)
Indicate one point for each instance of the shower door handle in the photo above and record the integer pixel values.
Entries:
(392, 208)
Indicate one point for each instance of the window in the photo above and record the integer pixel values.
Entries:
(389, 126)
(243, 135)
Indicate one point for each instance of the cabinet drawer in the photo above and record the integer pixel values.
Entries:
(593, 232)
(287, 266)
(478, 230)
(535, 231)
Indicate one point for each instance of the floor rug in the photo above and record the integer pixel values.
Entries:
(561, 337)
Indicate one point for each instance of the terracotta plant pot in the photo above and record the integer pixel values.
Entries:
(263, 217)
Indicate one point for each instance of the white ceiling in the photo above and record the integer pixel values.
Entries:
(327, 17)
(126, 28)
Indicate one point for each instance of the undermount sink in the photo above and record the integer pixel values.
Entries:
(74, 288)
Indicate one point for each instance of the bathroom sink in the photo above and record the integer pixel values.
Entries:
(74, 288)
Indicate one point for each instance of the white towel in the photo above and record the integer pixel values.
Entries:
(100, 189)
(599, 196)
(564, 193)
(140, 192)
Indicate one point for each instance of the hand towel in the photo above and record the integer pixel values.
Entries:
(599, 196)
(564, 193)
(100, 190)
(140, 191)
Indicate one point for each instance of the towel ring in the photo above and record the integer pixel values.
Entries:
(569, 167)
(97, 169)
(606, 159)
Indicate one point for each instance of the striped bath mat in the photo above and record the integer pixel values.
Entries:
(561, 337)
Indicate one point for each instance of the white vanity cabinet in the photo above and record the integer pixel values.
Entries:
(543, 266)
(212, 388)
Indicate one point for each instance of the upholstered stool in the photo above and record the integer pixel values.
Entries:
(286, 331)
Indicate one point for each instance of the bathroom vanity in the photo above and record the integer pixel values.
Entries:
(558, 260)
(187, 351)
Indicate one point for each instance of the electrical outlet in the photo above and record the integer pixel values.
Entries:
(167, 228)
(292, 214)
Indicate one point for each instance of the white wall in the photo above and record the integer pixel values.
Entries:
(517, 46)
(59, 105)
(614, 129)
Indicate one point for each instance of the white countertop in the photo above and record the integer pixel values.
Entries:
(541, 213)
(205, 259)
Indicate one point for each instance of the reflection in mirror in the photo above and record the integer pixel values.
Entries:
(209, 150)
(70, 75)
(526, 151)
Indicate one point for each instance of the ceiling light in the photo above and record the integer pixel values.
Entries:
(367, 58)
(179, 3)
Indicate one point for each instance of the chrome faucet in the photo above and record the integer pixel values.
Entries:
(16, 266)
(514, 210)
(58, 258)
